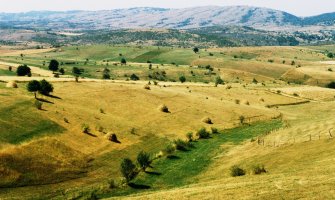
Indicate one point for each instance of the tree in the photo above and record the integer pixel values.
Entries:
(331, 85)
(182, 78)
(143, 159)
(218, 81)
(76, 71)
(134, 77)
(23, 70)
(128, 169)
(196, 50)
(330, 55)
(53, 65)
(105, 74)
(123, 61)
(33, 86)
(45, 87)
(62, 71)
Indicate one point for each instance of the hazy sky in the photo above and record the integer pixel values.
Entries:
(297, 7)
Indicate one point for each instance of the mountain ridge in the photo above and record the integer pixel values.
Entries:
(153, 17)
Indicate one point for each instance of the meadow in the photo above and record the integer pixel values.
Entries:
(273, 109)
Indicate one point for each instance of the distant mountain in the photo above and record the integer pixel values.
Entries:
(187, 18)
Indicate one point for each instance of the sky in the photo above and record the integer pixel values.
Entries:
(296, 7)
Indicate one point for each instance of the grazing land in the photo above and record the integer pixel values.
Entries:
(265, 110)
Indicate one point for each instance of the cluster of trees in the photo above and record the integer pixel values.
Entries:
(128, 168)
(43, 87)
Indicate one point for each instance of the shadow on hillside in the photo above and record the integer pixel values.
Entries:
(138, 186)
(173, 157)
(91, 134)
(44, 100)
(53, 96)
(153, 173)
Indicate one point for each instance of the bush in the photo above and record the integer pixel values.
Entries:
(180, 145)
(46, 87)
(258, 169)
(85, 128)
(331, 85)
(23, 70)
(189, 136)
(112, 137)
(164, 108)
(182, 79)
(214, 130)
(62, 71)
(66, 120)
(123, 61)
(169, 150)
(203, 133)
(236, 171)
(105, 74)
(242, 119)
(134, 77)
(237, 101)
(143, 160)
(38, 104)
(128, 169)
(207, 120)
(147, 87)
(218, 81)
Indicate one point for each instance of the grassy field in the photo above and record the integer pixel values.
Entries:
(40, 149)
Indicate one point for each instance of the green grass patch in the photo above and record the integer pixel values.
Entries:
(22, 122)
(186, 165)
(4, 72)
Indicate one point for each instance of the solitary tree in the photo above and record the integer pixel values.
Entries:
(182, 78)
(128, 169)
(23, 70)
(105, 74)
(330, 55)
(76, 71)
(62, 71)
(134, 77)
(195, 49)
(45, 87)
(33, 86)
(53, 65)
(123, 61)
(143, 159)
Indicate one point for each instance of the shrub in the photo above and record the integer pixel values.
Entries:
(46, 87)
(242, 119)
(330, 69)
(180, 145)
(218, 81)
(228, 87)
(182, 79)
(123, 61)
(214, 130)
(101, 111)
(128, 169)
(62, 71)
(254, 81)
(23, 70)
(38, 104)
(236, 171)
(164, 108)
(133, 131)
(66, 120)
(295, 94)
(105, 74)
(147, 87)
(189, 136)
(143, 160)
(331, 85)
(258, 169)
(134, 77)
(246, 102)
(85, 128)
(112, 137)
(237, 101)
(169, 150)
(207, 120)
(203, 133)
